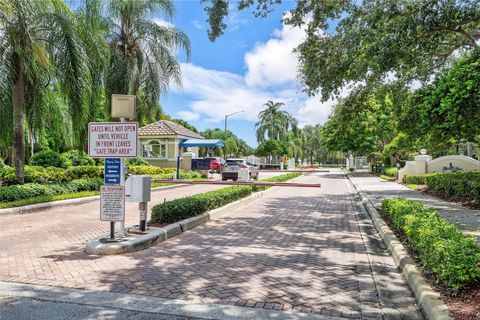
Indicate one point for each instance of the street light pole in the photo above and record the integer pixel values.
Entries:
(228, 115)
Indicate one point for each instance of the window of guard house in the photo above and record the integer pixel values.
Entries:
(155, 150)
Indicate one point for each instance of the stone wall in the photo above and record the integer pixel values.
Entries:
(424, 164)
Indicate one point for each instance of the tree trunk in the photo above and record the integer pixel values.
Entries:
(18, 104)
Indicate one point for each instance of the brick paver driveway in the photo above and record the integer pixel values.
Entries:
(294, 248)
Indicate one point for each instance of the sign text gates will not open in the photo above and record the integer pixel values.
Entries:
(113, 139)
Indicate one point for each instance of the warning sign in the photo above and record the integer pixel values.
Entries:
(112, 203)
(112, 139)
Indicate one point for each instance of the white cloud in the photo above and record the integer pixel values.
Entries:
(162, 23)
(197, 24)
(271, 74)
(273, 62)
(188, 115)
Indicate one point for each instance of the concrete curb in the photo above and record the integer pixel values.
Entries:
(61, 203)
(429, 301)
(155, 235)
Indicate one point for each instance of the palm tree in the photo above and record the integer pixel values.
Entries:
(273, 122)
(39, 46)
(143, 53)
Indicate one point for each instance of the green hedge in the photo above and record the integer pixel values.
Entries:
(33, 190)
(37, 174)
(441, 247)
(460, 183)
(150, 170)
(34, 174)
(79, 158)
(191, 206)
(391, 172)
(417, 179)
(49, 158)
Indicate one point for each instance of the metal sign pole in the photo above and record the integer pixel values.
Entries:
(121, 232)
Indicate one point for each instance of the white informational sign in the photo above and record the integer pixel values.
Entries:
(112, 203)
(142, 208)
(112, 139)
(123, 106)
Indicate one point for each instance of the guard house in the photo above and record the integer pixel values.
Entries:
(161, 143)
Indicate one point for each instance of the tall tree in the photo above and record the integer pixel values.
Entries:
(274, 122)
(143, 53)
(448, 110)
(38, 43)
(372, 40)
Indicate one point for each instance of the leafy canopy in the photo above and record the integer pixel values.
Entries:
(372, 40)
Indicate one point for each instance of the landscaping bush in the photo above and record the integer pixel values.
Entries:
(79, 158)
(441, 247)
(85, 172)
(417, 179)
(35, 174)
(391, 172)
(33, 190)
(150, 170)
(137, 162)
(460, 183)
(49, 158)
(187, 207)
(178, 209)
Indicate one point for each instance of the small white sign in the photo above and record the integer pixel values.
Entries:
(123, 106)
(142, 208)
(112, 139)
(112, 203)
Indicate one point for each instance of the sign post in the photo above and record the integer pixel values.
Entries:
(114, 140)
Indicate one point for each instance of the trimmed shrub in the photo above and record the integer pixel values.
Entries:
(49, 158)
(178, 209)
(137, 162)
(150, 170)
(441, 247)
(460, 183)
(34, 174)
(417, 179)
(79, 158)
(33, 190)
(79, 172)
(391, 172)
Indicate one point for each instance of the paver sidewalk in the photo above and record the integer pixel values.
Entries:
(297, 249)
(377, 190)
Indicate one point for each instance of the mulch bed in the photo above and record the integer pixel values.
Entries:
(464, 201)
(463, 305)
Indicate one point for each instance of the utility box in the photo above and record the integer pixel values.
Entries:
(137, 188)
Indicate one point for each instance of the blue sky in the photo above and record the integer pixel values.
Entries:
(247, 66)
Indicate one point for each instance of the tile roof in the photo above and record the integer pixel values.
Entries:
(167, 128)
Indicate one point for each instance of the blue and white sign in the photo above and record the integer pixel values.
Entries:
(111, 171)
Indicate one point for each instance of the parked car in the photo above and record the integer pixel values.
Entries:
(216, 163)
(233, 165)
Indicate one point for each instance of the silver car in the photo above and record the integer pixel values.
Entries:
(233, 165)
